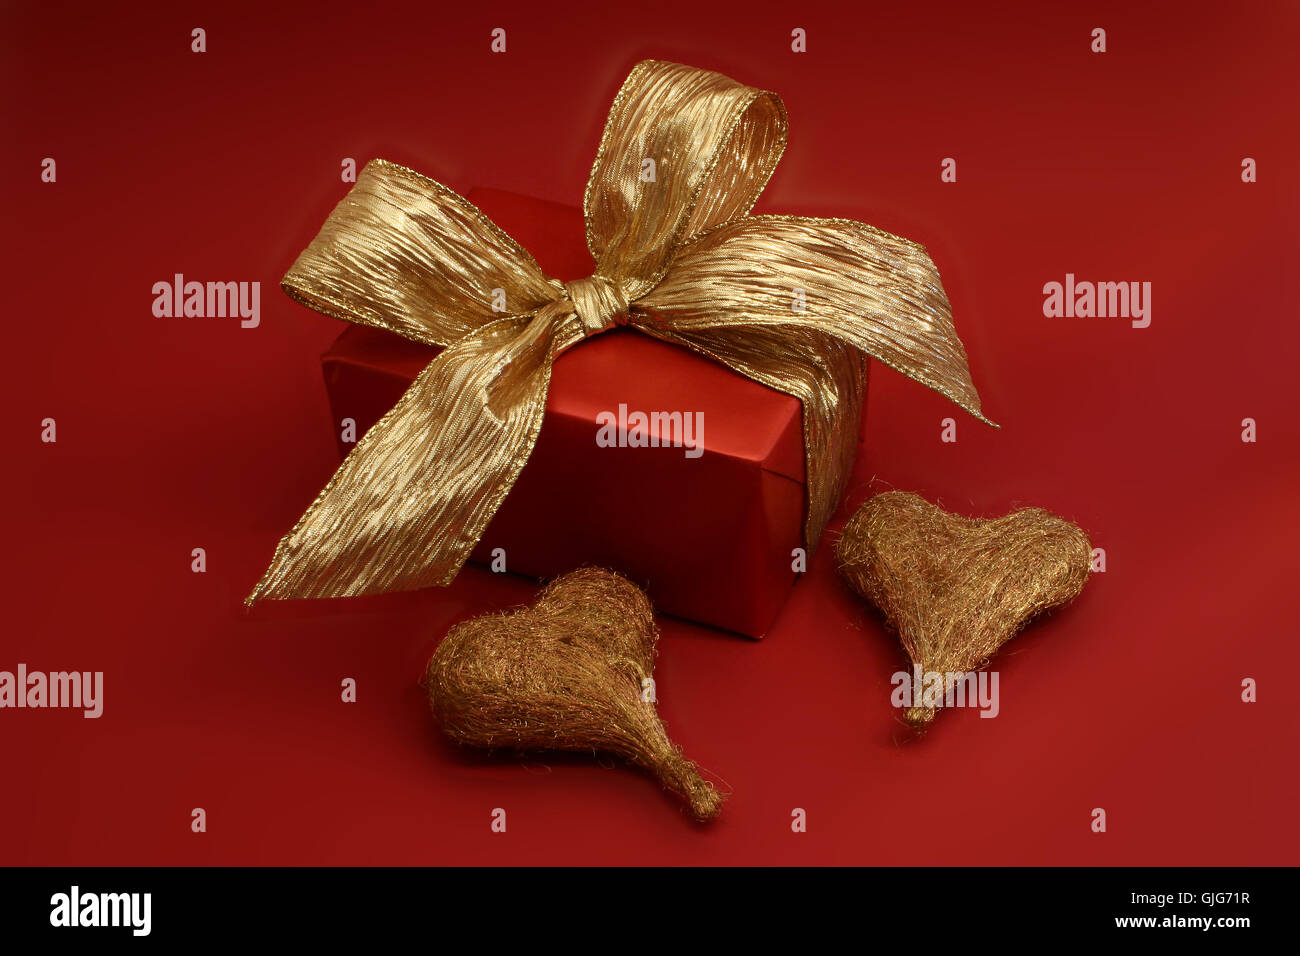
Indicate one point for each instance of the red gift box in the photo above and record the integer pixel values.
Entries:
(710, 535)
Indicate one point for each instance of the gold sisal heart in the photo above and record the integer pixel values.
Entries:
(956, 589)
(572, 672)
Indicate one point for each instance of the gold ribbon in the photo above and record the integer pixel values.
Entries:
(677, 256)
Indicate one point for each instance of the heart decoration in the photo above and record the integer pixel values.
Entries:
(954, 588)
(572, 672)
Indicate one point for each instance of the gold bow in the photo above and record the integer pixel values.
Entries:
(792, 302)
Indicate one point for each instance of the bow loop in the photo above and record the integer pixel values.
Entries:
(683, 150)
(407, 254)
(867, 288)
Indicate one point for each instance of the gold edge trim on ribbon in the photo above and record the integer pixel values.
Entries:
(306, 293)
(815, 221)
(611, 118)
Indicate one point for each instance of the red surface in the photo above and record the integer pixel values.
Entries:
(175, 434)
(737, 505)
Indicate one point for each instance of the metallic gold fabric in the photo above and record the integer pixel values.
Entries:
(677, 256)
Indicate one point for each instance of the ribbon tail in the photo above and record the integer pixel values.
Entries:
(408, 505)
(826, 375)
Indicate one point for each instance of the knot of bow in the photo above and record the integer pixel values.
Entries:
(598, 302)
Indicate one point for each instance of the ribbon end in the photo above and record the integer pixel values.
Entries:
(964, 397)
(968, 403)
(254, 595)
(263, 588)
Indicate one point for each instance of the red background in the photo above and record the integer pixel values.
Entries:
(175, 434)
